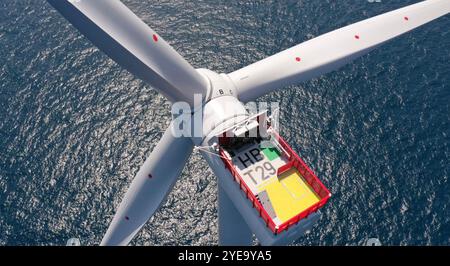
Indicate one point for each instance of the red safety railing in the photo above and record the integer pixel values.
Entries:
(303, 169)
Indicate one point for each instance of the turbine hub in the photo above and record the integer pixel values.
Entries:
(218, 85)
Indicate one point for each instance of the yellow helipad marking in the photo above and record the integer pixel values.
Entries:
(264, 184)
(290, 195)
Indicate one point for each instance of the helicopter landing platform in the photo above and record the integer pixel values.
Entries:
(273, 178)
(282, 195)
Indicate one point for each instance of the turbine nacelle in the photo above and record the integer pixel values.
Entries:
(219, 109)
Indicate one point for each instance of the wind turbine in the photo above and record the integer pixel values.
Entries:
(244, 208)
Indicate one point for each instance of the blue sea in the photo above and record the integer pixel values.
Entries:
(75, 127)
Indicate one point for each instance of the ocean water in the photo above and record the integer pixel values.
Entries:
(75, 127)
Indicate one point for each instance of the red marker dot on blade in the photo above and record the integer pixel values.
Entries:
(298, 59)
(155, 38)
(406, 18)
(357, 37)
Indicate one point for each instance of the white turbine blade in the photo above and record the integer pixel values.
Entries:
(149, 188)
(119, 33)
(330, 51)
